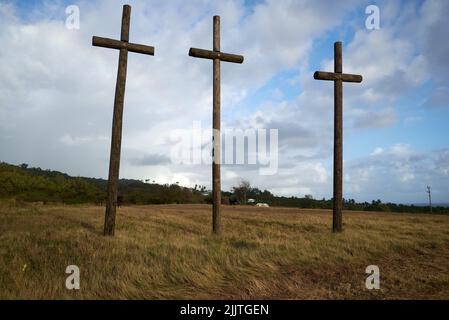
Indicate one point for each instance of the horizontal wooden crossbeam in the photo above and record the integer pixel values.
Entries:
(207, 54)
(116, 44)
(332, 76)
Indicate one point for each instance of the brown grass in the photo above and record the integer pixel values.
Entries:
(168, 252)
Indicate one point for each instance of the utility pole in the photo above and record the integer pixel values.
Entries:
(429, 191)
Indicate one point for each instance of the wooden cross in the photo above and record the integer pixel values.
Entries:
(114, 164)
(217, 57)
(338, 77)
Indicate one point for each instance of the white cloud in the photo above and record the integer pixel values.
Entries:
(374, 119)
(400, 173)
(68, 140)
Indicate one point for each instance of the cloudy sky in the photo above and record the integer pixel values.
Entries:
(56, 91)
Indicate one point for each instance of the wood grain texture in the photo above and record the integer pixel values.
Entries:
(126, 19)
(332, 76)
(116, 140)
(338, 142)
(208, 54)
(338, 77)
(216, 122)
(116, 44)
(217, 57)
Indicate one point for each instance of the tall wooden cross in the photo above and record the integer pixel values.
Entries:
(217, 56)
(338, 77)
(114, 163)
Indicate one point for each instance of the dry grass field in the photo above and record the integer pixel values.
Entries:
(168, 252)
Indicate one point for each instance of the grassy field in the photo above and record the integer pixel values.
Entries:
(168, 252)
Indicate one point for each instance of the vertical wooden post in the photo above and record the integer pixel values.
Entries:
(116, 140)
(216, 56)
(216, 174)
(338, 77)
(338, 141)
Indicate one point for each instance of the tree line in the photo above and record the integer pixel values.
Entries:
(34, 184)
(37, 185)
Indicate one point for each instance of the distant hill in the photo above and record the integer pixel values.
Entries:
(34, 184)
(37, 185)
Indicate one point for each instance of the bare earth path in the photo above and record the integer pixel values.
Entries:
(168, 252)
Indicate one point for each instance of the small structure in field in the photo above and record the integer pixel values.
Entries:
(251, 201)
(262, 205)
